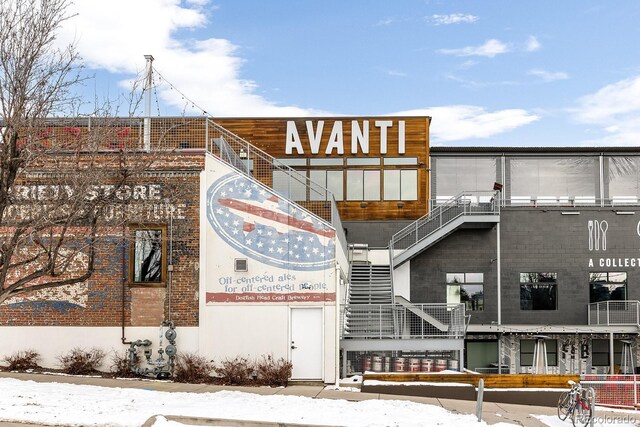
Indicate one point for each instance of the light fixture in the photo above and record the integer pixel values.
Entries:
(625, 213)
(243, 154)
(363, 204)
(400, 205)
(569, 213)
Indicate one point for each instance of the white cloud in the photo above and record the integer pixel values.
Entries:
(532, 44)
(396, 73)
(466, 122)
(115, 35)
(548, 76)
(616, 108)
(489, 49)
(454, 18)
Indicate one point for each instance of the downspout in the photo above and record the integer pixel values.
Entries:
(124, 282)
(338, 281)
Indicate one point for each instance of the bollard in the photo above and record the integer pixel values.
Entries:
(479, 400)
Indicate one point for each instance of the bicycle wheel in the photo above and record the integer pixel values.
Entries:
(584, 408)
(564, 403)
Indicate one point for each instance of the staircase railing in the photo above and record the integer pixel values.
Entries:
(465, 203)
(249, 160)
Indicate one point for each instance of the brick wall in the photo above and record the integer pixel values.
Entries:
(107, 298)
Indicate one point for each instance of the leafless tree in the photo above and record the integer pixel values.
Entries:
(60, 180)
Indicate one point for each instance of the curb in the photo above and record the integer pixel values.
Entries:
(223, 422)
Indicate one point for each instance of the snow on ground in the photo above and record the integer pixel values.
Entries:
(71, 404)
(600, 420)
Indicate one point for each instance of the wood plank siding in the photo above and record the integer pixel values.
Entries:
(335, 141)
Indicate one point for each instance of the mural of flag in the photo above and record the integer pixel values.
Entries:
(267, 228)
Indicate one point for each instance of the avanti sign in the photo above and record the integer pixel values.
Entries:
(360, 133)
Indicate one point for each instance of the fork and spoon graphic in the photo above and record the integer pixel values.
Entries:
(598, 234)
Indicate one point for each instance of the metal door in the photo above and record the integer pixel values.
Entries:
(306, 343)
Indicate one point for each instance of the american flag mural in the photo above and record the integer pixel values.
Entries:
(268, 228)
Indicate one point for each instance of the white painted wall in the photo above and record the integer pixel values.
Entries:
(232, 326)
(379, 256)
(53, 341)
(402, 280)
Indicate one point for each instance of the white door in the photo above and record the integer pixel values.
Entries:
(306, 343)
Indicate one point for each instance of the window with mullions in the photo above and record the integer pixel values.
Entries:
(147, 255)
(332, 180)
(607, 286)
(600, 352)
(400, 184)
(466, 288)
(363, 184)
(538, 291)
(527, 348)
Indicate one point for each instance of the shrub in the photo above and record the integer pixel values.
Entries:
(22, 360)
(81, 362)
(191, 368)
(238, 371)
(275, 373)
(120, 364)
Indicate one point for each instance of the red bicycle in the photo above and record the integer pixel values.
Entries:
(576, 403)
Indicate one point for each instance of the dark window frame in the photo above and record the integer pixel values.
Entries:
(607, 282)
(533, 284)
(455, 282)
(133, 229)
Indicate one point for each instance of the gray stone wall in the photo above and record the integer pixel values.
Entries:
(374, 233)
(533, 240)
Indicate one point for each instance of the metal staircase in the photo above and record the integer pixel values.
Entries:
(475, 209)
(370, 284)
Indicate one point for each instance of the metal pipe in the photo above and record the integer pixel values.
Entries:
(147, 105)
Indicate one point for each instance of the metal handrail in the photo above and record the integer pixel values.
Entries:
(614, 312)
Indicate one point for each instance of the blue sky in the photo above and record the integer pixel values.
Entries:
(509, 73)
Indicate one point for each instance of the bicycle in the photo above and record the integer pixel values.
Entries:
(577, 403)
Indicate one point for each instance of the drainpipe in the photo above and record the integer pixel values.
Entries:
(124, 281)
(338, 280)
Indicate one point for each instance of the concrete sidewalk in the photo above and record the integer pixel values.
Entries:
(492, 412)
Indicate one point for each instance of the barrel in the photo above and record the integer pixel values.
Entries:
(376, 364)
(366, 363)
(453, 365)
(427, 365)
(414, 365)
(441, 365)
(398, 364)
(387, 364)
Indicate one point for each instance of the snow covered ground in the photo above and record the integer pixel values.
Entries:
(70, 404)
(86, 405)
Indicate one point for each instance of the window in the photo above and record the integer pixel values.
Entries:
(527, 348)
(397, 161)
(363, 184)
(538, 291)
(400, 184)
(607, 286)
(363, 161)
(466, 288)
(147, 262)
(291, 184)
(332, 180)
(600, 352)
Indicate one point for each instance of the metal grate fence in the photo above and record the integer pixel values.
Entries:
(614, 390)
(614, 313)
(383, 321)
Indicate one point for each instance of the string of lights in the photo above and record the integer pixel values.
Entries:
(188, 100)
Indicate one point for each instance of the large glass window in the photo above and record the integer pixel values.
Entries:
(554, 180)
(332, 180)
(363, 184)
(147, 255)
(527, 348)
(400, 184)
(455, 175)
(466, 288)
(291, 184)
(623, 179)
(607, 286)
(538, 291)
